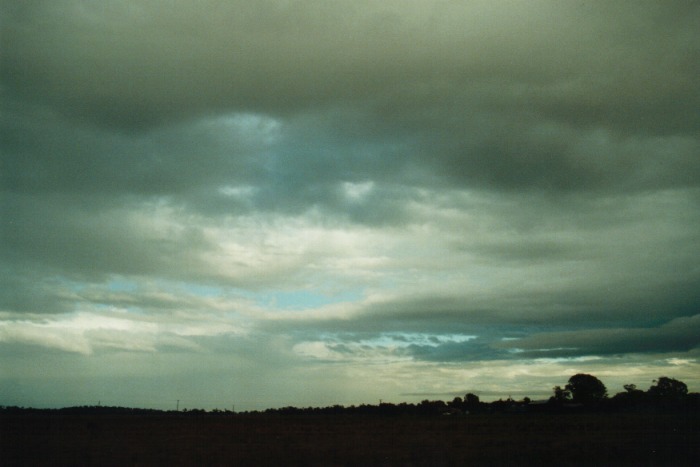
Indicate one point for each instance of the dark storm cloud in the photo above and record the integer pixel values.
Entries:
(441, 96)
(471, 351)
(131, 63)
(61, 233)
(583, 304)
(678, 335)
(526, 342)
(27, 290)
(44, 153)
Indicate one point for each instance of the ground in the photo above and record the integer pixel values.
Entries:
(484, 439)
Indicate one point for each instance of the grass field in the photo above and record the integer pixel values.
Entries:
(488, 439)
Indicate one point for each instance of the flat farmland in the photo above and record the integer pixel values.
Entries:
(485, 439)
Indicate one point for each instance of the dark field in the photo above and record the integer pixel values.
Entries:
(488, 439)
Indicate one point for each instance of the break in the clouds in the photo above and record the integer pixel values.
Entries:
(310, 202)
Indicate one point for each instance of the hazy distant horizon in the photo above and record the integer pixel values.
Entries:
(189, 404)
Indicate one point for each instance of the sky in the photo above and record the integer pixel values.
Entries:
(257, 204)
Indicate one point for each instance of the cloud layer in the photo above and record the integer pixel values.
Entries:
(450, 194)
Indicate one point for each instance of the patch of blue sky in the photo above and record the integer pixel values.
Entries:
(122, 285)
(134, 310)
(198, 290)
(67, 284)
(306, 299)
(302, 299)
(401, 339)
(204, 290)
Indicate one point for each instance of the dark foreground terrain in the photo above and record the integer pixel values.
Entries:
(485, 439)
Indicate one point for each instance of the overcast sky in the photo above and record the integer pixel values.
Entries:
(268, 203)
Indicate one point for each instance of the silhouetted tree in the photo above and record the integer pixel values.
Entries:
(429, 407)
(633, 393)
(472, 403)
(631, 398)
(560, 394)
(471, 399)
(668, 388)
(586, 389)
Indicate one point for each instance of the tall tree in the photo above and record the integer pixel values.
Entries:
(586, 389)
(561, 394)
(668, 388)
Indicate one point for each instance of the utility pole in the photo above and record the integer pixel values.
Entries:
(177, 408)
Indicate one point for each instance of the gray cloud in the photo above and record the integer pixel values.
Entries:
(94, 240)
(456, 352)
(678, 335)
(130, 63)
(322, 174)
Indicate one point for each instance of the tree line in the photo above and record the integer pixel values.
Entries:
(587, 390)
(582, 392)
